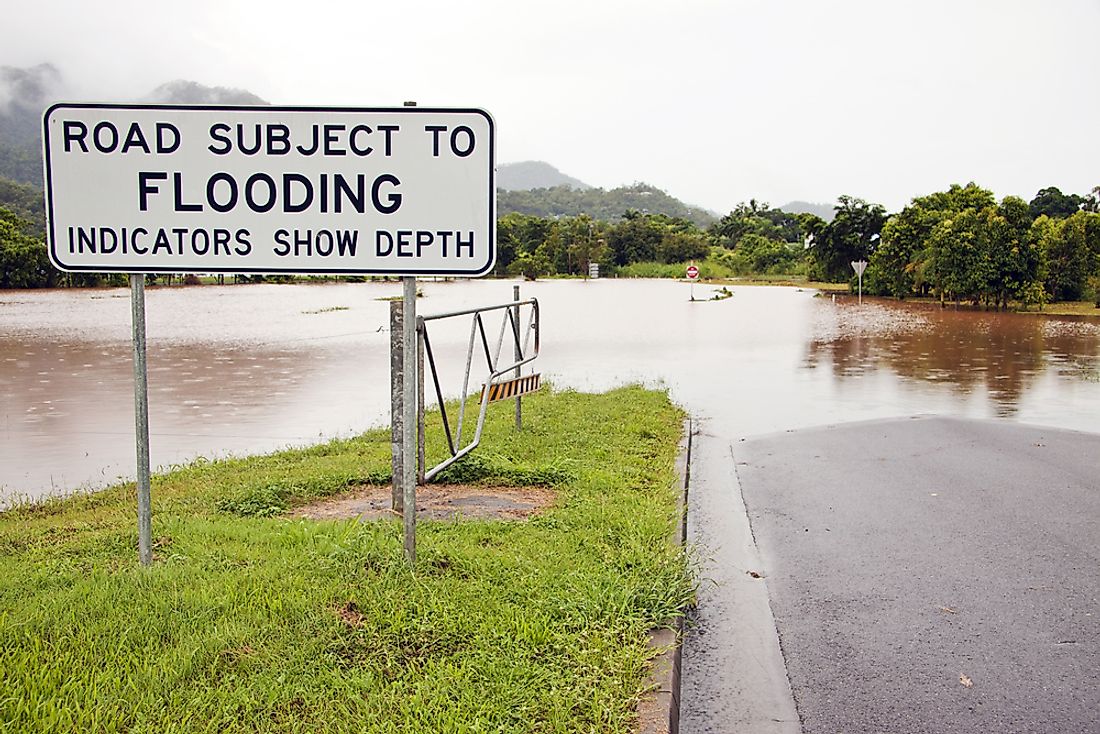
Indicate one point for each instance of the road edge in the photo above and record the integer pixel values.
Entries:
(659, 707)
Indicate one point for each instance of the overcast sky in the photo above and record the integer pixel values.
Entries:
(713, 101)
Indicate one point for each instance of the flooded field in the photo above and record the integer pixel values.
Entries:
(237, 369)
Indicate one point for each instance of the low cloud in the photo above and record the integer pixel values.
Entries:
(28, 90)
(181, 91)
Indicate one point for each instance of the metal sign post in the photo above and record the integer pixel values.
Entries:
(397, 398)
(692, 275)
(859, 266)
(141, 419)
(408, 417)
(518, 354)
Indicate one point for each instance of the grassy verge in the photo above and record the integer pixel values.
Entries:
(715, 270)
(250, 621)
(1059, 308)
(1066, 308)
(710, 268)
(794, 281)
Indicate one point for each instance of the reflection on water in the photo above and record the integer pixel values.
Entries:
(1001, 353)
(252, 368)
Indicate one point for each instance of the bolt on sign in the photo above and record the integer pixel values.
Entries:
(173, 189)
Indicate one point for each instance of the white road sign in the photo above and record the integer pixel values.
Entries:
(171, 189)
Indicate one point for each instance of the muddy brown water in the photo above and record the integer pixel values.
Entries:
(237, 369)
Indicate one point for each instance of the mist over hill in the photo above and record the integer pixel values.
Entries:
(527, 175)
(25, 93)
(182, 91)
(825, 211)
(528, 187)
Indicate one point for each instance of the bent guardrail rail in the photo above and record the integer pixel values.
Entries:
(524, 352)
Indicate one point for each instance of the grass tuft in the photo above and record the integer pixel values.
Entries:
(475, 468)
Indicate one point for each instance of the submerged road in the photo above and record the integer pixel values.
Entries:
(923, 575)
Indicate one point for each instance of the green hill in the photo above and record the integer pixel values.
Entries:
(25, 201)
(610, 205)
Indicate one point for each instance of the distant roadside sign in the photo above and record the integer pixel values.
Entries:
(859, 266)
(172, 189)
(692, 272)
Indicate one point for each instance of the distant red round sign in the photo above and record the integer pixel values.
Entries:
(693, 272)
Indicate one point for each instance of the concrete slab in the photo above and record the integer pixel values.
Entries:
(733, 678)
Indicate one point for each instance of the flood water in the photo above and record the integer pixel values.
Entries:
(238, 369)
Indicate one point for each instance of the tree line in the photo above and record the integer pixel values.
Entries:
(962, 245)
(958, 245)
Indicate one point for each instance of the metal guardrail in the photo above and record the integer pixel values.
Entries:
(523, 353)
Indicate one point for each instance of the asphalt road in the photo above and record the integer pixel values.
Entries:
(925, 575)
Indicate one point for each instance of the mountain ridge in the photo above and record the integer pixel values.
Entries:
(610, 205)
(527, 175)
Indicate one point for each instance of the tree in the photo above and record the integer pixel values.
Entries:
(1066, 248)
(957, 247)
(852, 235)
(26, 203)
(903, 263)
(678, 247)
(24, 262)
(743, 219)
(755, 217)
(1091, 202)
(518, 234)
(763, 253)
(635, 239)
(1014, 262)
(531, 265)
(1054, 204)
(895, 264)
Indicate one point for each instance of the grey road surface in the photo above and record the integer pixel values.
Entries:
(928, 575)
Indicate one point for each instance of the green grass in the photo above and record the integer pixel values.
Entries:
(251, 621)
(722, 267)
(793, 281)
(1066, 308)
(1058, 308)
(709, 269)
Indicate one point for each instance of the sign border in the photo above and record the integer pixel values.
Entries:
(48, 193)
